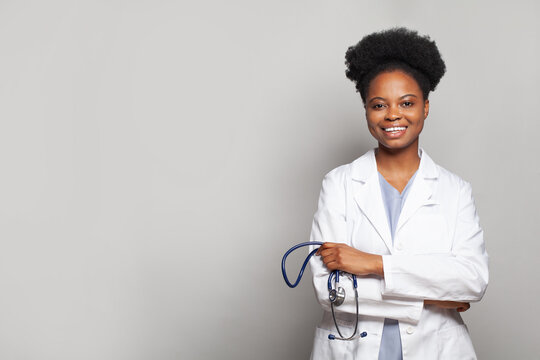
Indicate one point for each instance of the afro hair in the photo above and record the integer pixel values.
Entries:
(395, 49)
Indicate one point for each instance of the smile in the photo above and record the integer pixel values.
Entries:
(391, 129)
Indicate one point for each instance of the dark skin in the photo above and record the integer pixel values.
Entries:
(395, 113)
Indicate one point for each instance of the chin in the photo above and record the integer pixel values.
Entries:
(397, 145)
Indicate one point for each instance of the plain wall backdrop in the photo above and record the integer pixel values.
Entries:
(158, 157)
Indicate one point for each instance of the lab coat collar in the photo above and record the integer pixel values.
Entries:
(369, 198)
(365, 167)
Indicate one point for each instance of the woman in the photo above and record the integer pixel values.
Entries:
(406, 227)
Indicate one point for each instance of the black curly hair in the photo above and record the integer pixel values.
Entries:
(395, 49)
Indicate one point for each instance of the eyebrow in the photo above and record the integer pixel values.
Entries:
(381, 98)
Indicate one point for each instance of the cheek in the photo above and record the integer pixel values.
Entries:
(372, 119)
(417, 115)
(420, 124)
(372, 126)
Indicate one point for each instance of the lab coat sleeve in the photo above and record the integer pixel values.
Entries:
(330, 225)
(461, 275)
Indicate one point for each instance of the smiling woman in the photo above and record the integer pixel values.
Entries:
(404, 226)
(396, 110)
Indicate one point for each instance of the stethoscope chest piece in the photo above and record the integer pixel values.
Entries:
(337, 296)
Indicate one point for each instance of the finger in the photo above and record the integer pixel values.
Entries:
(321, 248)
(327, 252)
(332, 265)
(329, 245)
(332, 255)
(328, 259)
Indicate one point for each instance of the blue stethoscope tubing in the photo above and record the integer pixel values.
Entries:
(333, 274)
(301, 273)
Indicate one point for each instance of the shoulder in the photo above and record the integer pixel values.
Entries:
(443, 175)
(452, 184)
(335, 181)
(339, 173)
(449, 178)
(359, 169)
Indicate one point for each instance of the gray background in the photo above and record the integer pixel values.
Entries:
(158, 157)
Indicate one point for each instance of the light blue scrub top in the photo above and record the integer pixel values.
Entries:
(393, 203)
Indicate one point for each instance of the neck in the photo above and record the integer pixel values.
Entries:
(401, 161)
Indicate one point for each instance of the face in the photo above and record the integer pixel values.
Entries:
(395, 110)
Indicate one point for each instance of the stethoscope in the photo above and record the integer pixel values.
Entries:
(335, 294)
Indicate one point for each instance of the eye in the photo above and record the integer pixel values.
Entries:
(408, 104)
(377, 106)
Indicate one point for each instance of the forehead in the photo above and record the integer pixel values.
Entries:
(393, 84)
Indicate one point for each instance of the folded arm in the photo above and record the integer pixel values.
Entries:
(461, 275)
(396, 286)
(329, 225)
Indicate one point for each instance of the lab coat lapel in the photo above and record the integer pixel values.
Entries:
(368, 196)
(421, 193)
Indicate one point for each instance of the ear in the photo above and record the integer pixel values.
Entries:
(426, 108)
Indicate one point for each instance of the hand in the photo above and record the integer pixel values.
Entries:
(343, 257)
(459, 306)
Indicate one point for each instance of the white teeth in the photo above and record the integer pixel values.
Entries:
(395, 129)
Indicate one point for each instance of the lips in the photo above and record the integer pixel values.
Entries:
(395, 131)
(395, 128)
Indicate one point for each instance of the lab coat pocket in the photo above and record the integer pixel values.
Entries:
(324, 349)
(455, 343)
(426, 234)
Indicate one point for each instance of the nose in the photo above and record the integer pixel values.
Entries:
(392, 114)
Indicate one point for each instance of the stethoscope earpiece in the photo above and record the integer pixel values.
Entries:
(333, 337)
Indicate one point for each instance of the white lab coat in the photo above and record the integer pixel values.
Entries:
(438, 253)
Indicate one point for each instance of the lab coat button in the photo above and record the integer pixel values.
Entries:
(399, 247)
(410, 330)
